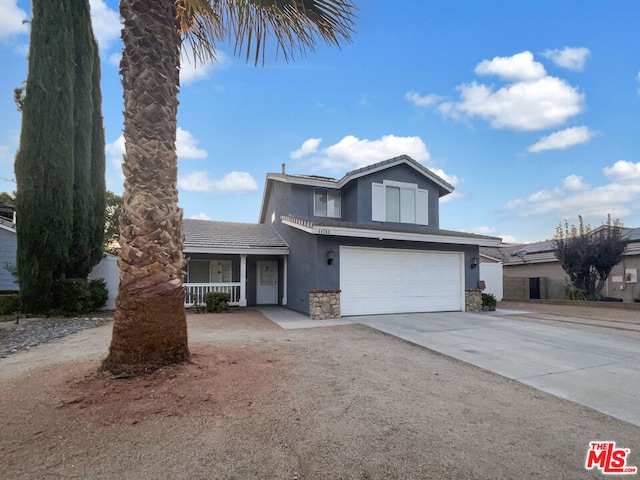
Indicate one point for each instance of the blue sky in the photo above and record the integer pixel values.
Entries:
(530, 109)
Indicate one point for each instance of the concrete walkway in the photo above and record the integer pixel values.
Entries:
(596, 370)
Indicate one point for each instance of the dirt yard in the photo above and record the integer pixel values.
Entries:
(259, 402)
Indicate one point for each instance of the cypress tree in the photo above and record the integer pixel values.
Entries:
(44, 163)
(79, 264)
(98, 183)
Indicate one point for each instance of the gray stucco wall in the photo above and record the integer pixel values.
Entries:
(308, 268)
(8, 242)
(516, 280)
(399, 173)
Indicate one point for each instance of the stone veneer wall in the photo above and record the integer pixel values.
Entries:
(324, 304)
(473, 300)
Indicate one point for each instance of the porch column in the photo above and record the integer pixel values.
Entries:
(243, 280)
(284, 281)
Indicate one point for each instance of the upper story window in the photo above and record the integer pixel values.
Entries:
(399, 202)
(326, 203)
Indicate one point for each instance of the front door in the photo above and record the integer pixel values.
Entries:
(267, 283)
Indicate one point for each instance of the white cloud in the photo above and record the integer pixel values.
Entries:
(422, 101)
(519, 67)
(308, 147)
(532, 105)
(563, 139)
(200, 216)
(192, 71)
(574, 183)
(114, 59)
(233, 182)
(186, 146)
(570, 58)
(352, 152)
(452, 179)
(531, 101)
(620, 197)
(9, 148)
(11, 17)
(623, 171)
(114, 152)
(106, 24)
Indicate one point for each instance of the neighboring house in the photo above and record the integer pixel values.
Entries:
(8, 246)
(368, 243)
(533, 272)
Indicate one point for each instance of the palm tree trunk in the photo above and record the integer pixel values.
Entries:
(150, 328)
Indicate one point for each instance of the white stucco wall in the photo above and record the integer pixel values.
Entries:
(108, 270)
(491, 273)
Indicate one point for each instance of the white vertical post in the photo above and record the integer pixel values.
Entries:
(243, 280)
(284, 278)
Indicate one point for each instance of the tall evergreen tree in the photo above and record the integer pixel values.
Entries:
(79, 264)
(44, 163)
(60, 164)
(98, 183)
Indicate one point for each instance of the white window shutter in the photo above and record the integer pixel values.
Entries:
(422, 207)
(377, 202)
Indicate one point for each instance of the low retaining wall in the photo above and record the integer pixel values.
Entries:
(324, 304)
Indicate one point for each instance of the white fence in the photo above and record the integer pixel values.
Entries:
(197, 292)
(491, 273)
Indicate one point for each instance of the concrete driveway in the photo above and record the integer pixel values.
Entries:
(597, 370)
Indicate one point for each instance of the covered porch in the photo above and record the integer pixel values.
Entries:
(247, 261)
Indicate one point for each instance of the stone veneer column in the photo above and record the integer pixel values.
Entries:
(473, 300)
(324, 304)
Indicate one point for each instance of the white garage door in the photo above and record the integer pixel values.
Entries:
(375, 280)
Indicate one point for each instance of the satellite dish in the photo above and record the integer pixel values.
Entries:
(520, 253)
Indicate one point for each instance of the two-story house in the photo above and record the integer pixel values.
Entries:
(368, 243)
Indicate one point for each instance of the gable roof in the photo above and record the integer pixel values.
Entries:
(206, 236)
(444, 187)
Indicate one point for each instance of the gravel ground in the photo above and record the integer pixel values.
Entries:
(259, 402)
(31, 332)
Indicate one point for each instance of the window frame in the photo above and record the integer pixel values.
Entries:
(327, 191)
(380, 208)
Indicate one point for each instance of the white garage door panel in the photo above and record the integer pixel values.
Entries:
(376, 280)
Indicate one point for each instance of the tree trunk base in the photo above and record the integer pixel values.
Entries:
(148, 333)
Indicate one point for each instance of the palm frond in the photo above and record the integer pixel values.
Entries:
(200, 25)
(296, 25)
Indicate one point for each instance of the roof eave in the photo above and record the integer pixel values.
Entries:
(391, 235)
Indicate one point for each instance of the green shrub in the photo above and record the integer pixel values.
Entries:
(9, 303)
(217, 301)
(488, 300)
(71, 296)
(75, 296)
(98, 292)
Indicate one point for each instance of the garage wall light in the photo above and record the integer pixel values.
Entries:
(474, 262)
(330, 256)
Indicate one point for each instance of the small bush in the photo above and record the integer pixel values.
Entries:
(99, 293)
(71, 296)
(75, 296)
(488, 300)
(9, 303)
(218, 301)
